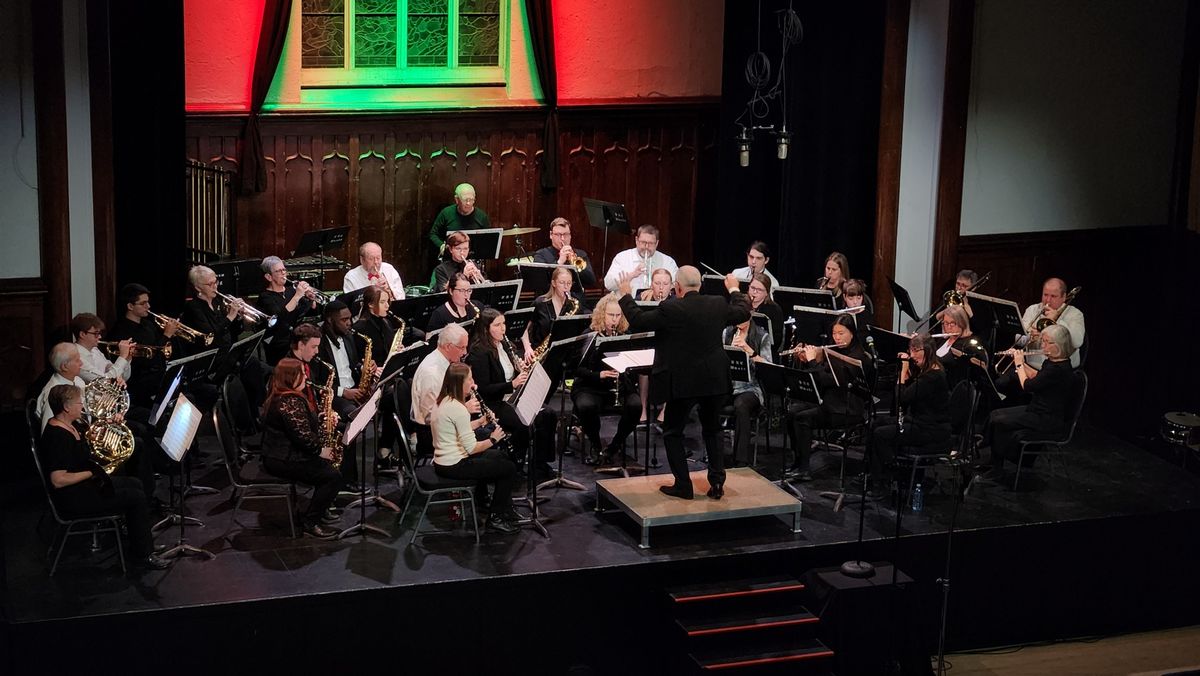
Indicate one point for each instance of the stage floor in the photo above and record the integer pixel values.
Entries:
(1108, 478)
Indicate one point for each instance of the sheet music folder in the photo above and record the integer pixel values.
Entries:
(739, 364)
(501, 295)
(485, 243)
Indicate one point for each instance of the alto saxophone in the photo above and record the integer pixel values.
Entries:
(366, 377)
(570, 307)
(398, 337)
(329, 424)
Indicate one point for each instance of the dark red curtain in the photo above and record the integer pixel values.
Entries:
(541, 34)
(276, 14)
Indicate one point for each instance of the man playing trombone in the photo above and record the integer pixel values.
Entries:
(1055, 308)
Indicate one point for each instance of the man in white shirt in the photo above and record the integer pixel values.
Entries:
(86, 329)
(66, 363)
(372, 270)
(1054, 306)
(640, 261)
(757, 257)
(427, 380)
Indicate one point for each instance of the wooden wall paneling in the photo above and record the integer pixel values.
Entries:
(677, 196)
(648, 182)
(371, 203)
(298, 188)
(22, 339)
(337, 191)
(410, 242)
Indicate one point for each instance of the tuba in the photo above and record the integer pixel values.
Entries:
(111, 440)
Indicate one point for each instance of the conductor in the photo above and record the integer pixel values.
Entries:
(690, 367)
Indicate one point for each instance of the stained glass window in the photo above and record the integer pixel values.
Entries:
(478, 32)
(375, 33)
(323, 26)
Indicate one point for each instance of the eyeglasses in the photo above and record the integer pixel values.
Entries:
(467, 290)
(94, 332)
(142, 302)
(278, 270)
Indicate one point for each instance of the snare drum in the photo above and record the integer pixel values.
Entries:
(1180, 428)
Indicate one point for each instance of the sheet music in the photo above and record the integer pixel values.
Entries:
(537, 388)
(823, 311)
(623, 361)
(185, 420)
(161, 406)
(362, 418)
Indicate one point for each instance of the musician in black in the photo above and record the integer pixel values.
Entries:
(288, 303)
(961, 353)
(747, 397)
(146, 373)
(458, 248)
(925, 400)
(690, 367)
(375, 322)
(498, 373)
(855, 295)
(837, 273)
(462, 215)
(840, 407)
(555, 303)
(596, 384)
(759, 293)
(80, 486)
(293, 447)
(459, 308)
(1050, 392)
(338, 349)
(561, 252)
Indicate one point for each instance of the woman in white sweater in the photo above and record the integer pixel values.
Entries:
(457, 455)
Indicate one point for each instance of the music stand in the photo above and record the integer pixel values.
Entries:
(353, 300)
(360, 418)
(786, 383)
(714, 285)
(416, 310)
(637, 358)
(537, 276)
(485, 243)
(176, 441)
(405, 361)
(321, 241)
(239, 277)
(996, 317)
(557, 355)
(739, 364)
(527, 402)
(609, 216)
(903, 300)
(515, 321)
(231, 361)
(500, 295)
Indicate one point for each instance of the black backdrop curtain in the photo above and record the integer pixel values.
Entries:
(276, 14)
(822, 198)
(541, 35)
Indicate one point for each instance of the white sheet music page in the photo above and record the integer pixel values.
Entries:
(622, 361)
(537, 388)
(181, 429)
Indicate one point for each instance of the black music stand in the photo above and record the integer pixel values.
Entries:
(416, 310)
(608, 216)
(527, 402)
(239, 277)
(485, 243)
(618, 349)
(559, 354)
(176, 441)
(787, 384)
(515, 322)
(500, 295)
(536, 277)
(996, 318)
(321, 242)
(354, 434)
(714, 285)
(613, 345)
(903, 300)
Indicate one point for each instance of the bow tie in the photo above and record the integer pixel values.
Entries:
(372, 275)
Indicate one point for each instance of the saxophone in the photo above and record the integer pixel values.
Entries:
(329, 423)
(570, 307)
(366, 377)
(398, 337)
(111, 441)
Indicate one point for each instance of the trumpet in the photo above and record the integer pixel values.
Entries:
(249, 311)
(186, 332)
(318, 299)
(137, 351)
(476, 272)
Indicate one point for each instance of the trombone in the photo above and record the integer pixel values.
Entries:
(113, 348)
(249, 311)
(186, 332)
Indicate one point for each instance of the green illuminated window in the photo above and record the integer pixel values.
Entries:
(400, 42)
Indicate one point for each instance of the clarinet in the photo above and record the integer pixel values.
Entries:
(490, 418)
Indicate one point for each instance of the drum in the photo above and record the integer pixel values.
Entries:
(1179, 427)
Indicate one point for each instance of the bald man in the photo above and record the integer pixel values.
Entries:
(462, 215)
(372, 270)
(1054, 306)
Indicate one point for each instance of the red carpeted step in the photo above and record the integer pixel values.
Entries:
(735, 589)
(810, 650)
(746, 622)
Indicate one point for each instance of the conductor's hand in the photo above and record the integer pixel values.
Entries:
(731, 283)
(472, 405)
(327, 453)
(520, 380)
(624, 286)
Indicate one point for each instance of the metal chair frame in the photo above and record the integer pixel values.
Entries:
(437, 491)
(243, 489)
(1057, 448)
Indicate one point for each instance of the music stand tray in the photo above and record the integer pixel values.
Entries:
(501, 295)
(321, 241)
(176, 441)
(485, 243)
(996, 318)
(903, 299)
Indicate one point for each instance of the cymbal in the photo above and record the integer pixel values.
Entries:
(518, 231)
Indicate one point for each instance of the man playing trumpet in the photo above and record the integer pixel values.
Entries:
(138, 327)
(561, 252)
(639, 262)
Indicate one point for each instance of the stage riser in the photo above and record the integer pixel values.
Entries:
(1010, 585)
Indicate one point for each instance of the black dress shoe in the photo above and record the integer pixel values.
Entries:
(156, 562)
(503, 524)
(716, 491)
(320, 532)
(159, 549)
(676, 492)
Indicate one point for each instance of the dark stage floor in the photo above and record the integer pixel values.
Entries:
(1108, 478)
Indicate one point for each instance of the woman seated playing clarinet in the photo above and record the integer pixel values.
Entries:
(498, 372)
(1049, 390)
(293, 446)
(662, 286)
(596, 384)
(839, 406)
(457, 455)
(747, 396)
(924, 422)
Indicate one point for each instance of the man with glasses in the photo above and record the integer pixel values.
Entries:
(561, 252)
(459, 308)
(137, 327)
(462, 215)
(640, 262)
(427, 382)
(287, 304)
(86, 330)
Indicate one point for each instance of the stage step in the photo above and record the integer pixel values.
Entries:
(746, 621)
(735, 589)
(810, 651)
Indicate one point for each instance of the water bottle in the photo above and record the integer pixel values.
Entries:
(918, 499)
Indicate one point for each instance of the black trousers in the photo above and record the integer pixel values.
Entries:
(887, 438)
(675, 419)
(315, 472)
(491, 466)
(544, 425)
(127, 498)
(806, 416)
(349, 466)
(745, 406)
(588, 405)
(1007, 427)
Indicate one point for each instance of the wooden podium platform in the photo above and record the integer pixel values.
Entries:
(747, 494)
